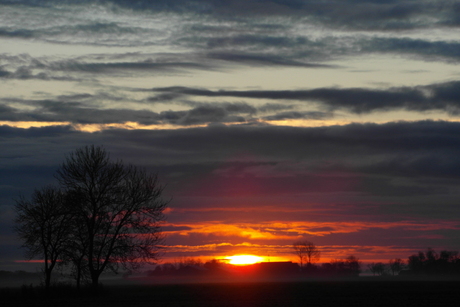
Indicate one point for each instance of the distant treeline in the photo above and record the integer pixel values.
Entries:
(423, 263)
(18, 274)
(350, 266)
(429, 262)
(432, 263)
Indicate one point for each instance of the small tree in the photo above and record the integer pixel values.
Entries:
(396, 265)
(416, 262)
(353, 265)
(120, 208)
(307, 252)
(376, 268)
(43, 224)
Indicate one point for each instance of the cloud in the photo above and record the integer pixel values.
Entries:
(76, 112)
(351, 13)
(298, 115)
(421, 153)
(219, 32)
(430, 50)
(254, 59)
(16, 33)
(200, 115)
(80, 68)
(127, 66)
(87, 109)
(172, 228)
(443, 96)
(354, 14)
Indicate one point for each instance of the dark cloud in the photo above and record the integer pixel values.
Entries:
(175, 228)
(136, 66)
(391, 149)
(4, 73)
(10, 133)
(351, 13)
(210, 113)
(83, 109)
(444, 96)
(414, 151)
(404, 168)
(26, 73)
(164, 97)
(200, 115)
(266, 49)
(416, 47)
(298, 115)
(26, 67)
(269, 107)
(261, 41)
(264, 59)
(16, 33)
(75, 112)
(85, 33)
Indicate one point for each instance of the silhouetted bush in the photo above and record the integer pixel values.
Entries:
(432, 263)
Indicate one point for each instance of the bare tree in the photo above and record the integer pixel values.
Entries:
(75, 254)
(307, 252)
(377, 268)
(42, 223)
(353, 265)
(396, 265)
(120, 208)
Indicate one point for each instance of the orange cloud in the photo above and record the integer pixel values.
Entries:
(276, 230)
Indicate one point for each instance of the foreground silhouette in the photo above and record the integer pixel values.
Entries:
(103, 215)
(370, 292)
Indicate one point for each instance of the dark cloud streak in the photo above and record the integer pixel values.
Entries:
(444, 96)
(353, 14)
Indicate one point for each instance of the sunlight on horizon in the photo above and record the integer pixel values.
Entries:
(244, 259)
(91, 128)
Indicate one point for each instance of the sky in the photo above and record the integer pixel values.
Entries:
(268, 121)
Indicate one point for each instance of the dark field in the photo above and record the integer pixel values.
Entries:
(365, 292)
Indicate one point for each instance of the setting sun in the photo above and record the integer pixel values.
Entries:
(244, 259)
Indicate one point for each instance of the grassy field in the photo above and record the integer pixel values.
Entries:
(365, 292)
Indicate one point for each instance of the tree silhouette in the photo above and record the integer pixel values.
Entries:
(396, 265)
(43, 224)
(307, 252)
(432, 263)
(120, 208)
(106, 214)
(353, 265)
(376, 268)
(75, 252)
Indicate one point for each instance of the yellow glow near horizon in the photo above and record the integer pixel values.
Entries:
(32, 124)
(244, 259)
(90, 128)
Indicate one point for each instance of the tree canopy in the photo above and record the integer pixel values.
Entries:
(112, 211)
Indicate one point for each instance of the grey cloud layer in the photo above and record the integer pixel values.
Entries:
(359, 14)
(391, 160)
(86, 108)
(209, 40)
(444, 96)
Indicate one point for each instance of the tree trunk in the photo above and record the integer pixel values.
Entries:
(95, 280)
(48, 270)
(78, 277)
(47, 278)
